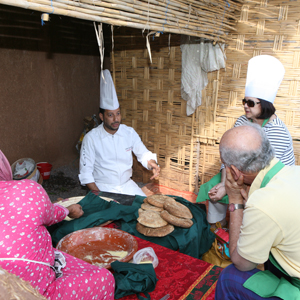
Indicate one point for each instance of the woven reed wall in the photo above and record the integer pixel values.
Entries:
(151, 102)
(187, 147)
(208, 19)
(264, 28)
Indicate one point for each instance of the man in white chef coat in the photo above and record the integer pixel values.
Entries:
(106, 151)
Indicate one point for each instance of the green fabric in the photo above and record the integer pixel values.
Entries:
(266, 284)
(264, 122)
(206, 187)
(193, 241)
(96, 212)
(133, 279)
(272, 172)
(294, 281)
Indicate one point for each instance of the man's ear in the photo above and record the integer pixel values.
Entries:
(101, 116)
(235, 172)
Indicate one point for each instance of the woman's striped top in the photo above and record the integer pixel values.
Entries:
(279, 137)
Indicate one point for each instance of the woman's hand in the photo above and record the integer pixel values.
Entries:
(217, 192)
(75, 211)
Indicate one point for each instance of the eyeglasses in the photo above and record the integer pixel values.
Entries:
(249, 102)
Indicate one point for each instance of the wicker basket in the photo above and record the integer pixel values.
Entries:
(13, 287)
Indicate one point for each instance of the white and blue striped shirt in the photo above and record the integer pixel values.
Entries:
(279, 137)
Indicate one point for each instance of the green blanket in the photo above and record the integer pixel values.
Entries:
(194, 241)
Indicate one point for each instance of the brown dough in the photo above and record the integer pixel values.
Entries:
(158, 232)
(151, 219)
(180, 222)
(177, 209)
(158, 200)
(146, 206)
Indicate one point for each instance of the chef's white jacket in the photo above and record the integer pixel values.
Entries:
(106, 159)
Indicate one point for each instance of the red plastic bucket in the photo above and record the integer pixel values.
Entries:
(45, 169)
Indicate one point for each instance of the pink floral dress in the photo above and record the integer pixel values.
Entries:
(24, 210)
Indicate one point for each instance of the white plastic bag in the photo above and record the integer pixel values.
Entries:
(144, 256)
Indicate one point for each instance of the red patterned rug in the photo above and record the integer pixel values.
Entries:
(180, 275)
(153, 188)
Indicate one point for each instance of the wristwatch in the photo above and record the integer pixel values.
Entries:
(232, 207)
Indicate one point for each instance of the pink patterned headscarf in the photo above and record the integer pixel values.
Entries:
(5, 169)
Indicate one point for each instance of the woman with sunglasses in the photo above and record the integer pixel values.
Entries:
(264, 76)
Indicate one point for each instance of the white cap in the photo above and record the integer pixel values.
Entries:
(264, 76)
(108, 95)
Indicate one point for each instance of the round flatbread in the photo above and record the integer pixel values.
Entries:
(158, 200)
(158, 232)
(146, 206)
(180, 222)
(151, 219)
(177, 209)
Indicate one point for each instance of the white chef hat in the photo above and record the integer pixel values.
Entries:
(264, 76)
(108, 95)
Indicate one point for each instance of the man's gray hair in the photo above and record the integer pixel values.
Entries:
(249, 161)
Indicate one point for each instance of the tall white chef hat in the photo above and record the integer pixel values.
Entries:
(264, 76)
(108, 95)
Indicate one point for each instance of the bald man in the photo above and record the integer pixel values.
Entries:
(264, 219)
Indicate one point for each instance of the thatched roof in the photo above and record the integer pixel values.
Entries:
(212, 19)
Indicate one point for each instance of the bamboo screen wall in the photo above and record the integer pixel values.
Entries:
(208, 19)
(151, 102)
(149, 94)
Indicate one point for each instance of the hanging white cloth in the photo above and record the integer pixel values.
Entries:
(198, 58)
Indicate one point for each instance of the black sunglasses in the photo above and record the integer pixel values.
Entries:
(249, 102)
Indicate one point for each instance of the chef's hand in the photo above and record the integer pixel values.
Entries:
(92, 186)
(217, 192)
(75, 211)
(152, 165)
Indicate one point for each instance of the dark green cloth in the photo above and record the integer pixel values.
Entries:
(133, 279)
(206, 187)
(193, 241)
(96, 212)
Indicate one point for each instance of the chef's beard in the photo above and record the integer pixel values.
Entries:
(108, 126)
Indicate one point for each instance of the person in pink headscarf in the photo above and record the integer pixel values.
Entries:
(26, 247)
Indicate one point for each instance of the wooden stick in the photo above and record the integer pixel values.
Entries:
(130, 17)
(53, 7)
(171, 15)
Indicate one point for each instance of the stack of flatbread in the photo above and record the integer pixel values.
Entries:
(159, 214)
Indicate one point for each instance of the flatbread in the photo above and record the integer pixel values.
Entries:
(180, 222)
(177, 209)
(158, 200)
(146, 206)
(151, 219)
(158, 232)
